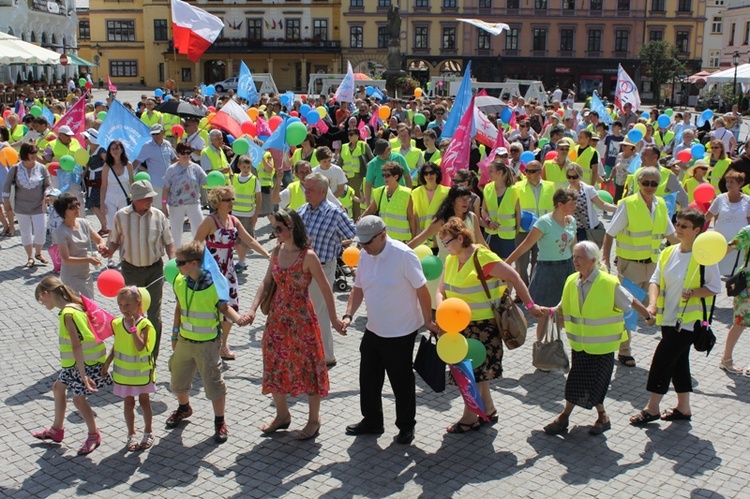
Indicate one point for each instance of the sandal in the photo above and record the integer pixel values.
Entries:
(133, 444)
(306, 435)
(676, 415)
(493, 419)
(29, 263)
(227, 354)
(556, 427)
(459, 427)
(728, 366)
(147, 441)
(600, 426)
(41, 258)
(52, 433)
(643, 418)
(93, 441)
(276, 425)
(626, 360)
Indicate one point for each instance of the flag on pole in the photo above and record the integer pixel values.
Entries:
(193, 29)
(457, 154)
(598, 106)
(230, 118)
(345, 92)
(460, 105)
(263, 129)
(246, 86)
(493, 29)
(111, 86)
(277, 140)
(627, 91)
(47, 113)
(486, 131)
(120, 124)
(467, 385)
(75, 118)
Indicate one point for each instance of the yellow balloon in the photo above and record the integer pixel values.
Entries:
(422, 251)
(641, 127)
(145, 299)
(321, 111)
(709, 248)
(452, 348)
(252, 113)
(82, 157)
(417, 92)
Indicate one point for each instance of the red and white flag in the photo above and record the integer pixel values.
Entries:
(230, 118)
(75, 118)
(111, 86)
(457, 154)
(193, 29)
(627, 91)
(486, 131)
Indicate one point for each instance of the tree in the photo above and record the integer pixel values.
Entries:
(659, 61)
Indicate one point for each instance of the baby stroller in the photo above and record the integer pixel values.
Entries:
(343, 271)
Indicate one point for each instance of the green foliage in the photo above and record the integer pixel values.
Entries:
(659, 61)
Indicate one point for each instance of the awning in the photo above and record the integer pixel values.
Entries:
(78, 61)
(728, 75)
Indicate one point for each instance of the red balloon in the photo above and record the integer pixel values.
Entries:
(89, 85)
(110, 282)
(178, 130)
(685, 155)
(53, 167)
(702, 207)
(212, 109)
(304, 97)
(274, 122)
(6, 113)
(704, 193)
(550, 156)
(249, 128)
(294, 113)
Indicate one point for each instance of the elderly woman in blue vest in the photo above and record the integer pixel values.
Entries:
(393, 203)
(678, 292)
(461, 280)
(501, 210)
(592, 306)
(181, 195)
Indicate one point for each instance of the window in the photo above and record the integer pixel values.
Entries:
(685, 6)
(384, 4)
(485, 4)
(450, 4)
(121, 31)
(657, 5)
(569, 4)
(747, 33)
(356, 37)
(595, 40)
(161, 71)
(731, 37)
(449, 38)
(123, 68)
(621, 40)
(292, 29)
(716, 25)
(255, 29)
(160, 30)
(484, 42)
(187, 74)
(421, 37)
(513, 4)
(383, 37)
(422, 4)
(655, 36)
(540, 39)
(84, 30)
(540, 5)
(566, 39)
(682, 40)
(511, 39)
(596, 5)
(714, 57)
(320, 29)
(356, 4)
(623, 5)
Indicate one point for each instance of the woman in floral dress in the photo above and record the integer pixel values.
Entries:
(740, 307)
(220, 231)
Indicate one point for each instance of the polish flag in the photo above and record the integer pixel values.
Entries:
(230, 118)
(193, 29)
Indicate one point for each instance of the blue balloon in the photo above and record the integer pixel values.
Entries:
(294, 119)
(312, 116)
(527, 220)
(304, 109)
(698, 151)
(635, 135)
(230, 139)
(707, 114)
(159, 92)
(210, 90)
(506, 114)
(285, 100)
(644, 115)
(167, 97)
(664, 121)
(527, 157)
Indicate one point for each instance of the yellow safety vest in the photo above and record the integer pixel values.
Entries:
(218, 162)
(44, 140)
(296, 195)
(641, 239)
(505, 214)
(266, 178)
(583, 159)
(661, 190)
(412, 157)
(347, 200)
(350, 158)
(59, 149)
(244, 197)
(694, 309)
(93, 351)
(597, 327)
(297, 156)
(424, 209)
(132, 367)
(18, 132)
(151, 120)
(199, 317)
(556, 174)
(720, 168)
(464, 283)
(528, 201)
(169, 120)
(394, 211)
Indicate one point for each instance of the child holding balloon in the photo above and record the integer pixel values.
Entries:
(81, 357)
(133, 375)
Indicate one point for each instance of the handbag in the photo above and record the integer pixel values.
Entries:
(428, 364)
(738, 282)
(265, 305)
(511, 323)
(549, 353)
(704, 339)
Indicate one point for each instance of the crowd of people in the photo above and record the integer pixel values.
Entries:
(503, 221)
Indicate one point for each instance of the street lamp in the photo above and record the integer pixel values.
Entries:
(736, 61)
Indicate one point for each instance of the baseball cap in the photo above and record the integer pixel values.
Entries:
(141, 189)
(65, 130)
(380, 147)
(156, 129)
(501, 151)
(367, 228)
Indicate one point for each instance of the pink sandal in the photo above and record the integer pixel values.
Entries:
(92, 442)
(54, 434)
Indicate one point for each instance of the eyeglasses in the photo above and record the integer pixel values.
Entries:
(387, 175)
(278, 228)
(531, 172)
(684, 226)
(572, 177)
(180, 263)
(439, 114)
(187, 153)
(228, 200)
(430, 172)
(74, 206)
(446, 243)
(650, 183)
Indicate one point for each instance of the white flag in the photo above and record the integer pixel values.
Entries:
(345, 92)
(494, 29)
(627, 91)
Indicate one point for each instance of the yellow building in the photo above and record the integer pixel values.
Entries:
(133, 42)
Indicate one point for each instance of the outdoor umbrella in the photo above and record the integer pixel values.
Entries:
(16, 51)
(489, 104)
(180, 108)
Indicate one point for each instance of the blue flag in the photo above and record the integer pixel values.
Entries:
(246, 85)
(635, 164)
(345, 91)
(221, 283)
(277, 140)
(631, 320)
(631, 316)
(47, 113)
(460, 105)
(120, 124)
(377, 94)
(671, 201)
(203, 88)
(598, 106)
(256, 153)
(467, 385)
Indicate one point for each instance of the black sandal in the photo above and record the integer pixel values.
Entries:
(460, 427)
(493, 419)
(676, 415)
(41, 258)
(626, 360)
(29, 263)
(643, 418)
(556, 427)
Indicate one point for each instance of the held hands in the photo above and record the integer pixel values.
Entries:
(340, 325)
(247, 319)
(539, 312)
(493, 225)
(89, 384)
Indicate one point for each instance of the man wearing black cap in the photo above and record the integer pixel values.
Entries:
(374, 176)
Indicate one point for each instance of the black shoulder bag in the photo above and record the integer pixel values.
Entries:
(738, 282)
(127, 198)
(704, 339)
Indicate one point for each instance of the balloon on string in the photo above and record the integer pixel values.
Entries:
(418, 92)
(286, 100)
(606, 196)
(296, 133)
(452, 348)
(81, 82)
(171, 271)
(293, 119)
(303, 97)
(477, 353)
(422, 251)
(635, 136)
(543, 142)
(304, 109)
(528, 219)
(241, 146)
(35, 111)
(669, 112)
(211, 109)
(110, 282)
(640, 127)
(420, 119)
(645, 115)
(274, 122)
(322, 111)
(663, 121)
(252, 113)
(209, 117)
(52, 167)
(685, 155)
(384, 112)
(312, 117)
(145, 298)
(432, 267)
(550, 155)
(294, 113)
(89, 85)
(67, 163)
(709, 248)
(9, 157)
(101, 115)
(350, 256)
(698, 151)
(82, 157)
(178, 130)
(215, 178)
(167, 98)
(159, 93)
(707, 114)
(249, 128)
(453, 315)
(704, 193)
(527, 157)
(506, 114)
(369, 91)
(142, 176)
(210, 90)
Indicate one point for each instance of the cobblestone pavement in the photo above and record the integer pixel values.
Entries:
(707, 457)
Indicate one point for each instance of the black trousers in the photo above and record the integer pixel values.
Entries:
(142, 277)
(393, 356)
(671, 362)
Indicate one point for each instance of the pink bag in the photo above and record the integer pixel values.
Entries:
(100, 321)
(54, 255)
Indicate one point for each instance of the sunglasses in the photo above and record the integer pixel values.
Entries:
(74, 206)
(278, 228)
(684, 226)
(180, 263)
(370, 241)
(572, 177)
(228, 200)
(183, 153)
(430, 172)
(439, 114)
(650, 183)
(531, 172)
(387, 175)
(446, 243)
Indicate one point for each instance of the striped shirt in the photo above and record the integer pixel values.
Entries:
(327, 226)
(142, 238)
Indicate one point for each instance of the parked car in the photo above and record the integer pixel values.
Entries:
(228, 84)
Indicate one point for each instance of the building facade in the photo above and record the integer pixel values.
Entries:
(736, 33)
(713, 34)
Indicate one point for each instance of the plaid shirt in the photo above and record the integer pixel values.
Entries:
(327, 226)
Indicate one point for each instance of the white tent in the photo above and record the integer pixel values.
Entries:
(727, 76)
(16, 51)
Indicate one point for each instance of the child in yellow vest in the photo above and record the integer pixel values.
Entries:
(135, 337)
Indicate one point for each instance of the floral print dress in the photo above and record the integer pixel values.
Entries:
(221, 245)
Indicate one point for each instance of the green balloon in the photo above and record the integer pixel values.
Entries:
(477, 353)
(420, 119)
(295, 133)
(543, 142)
(215, 179)
(669, 112)
(432, 267)
(241, 146)
(81, 82)
(142, 176)
(606, 196)
(102, 115)
(170, 271)
(35, 111)
(67, 163)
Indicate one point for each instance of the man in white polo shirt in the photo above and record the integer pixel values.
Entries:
(391, 282)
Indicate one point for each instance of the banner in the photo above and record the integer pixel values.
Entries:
(627, 91)
(486, 131)
(457, 154)
(493, 29)
(467, 385)
(460, 104)
(246, 86)
(345, 92)
(110, 85)
(598, 106)
(120, 124)
(75, 118)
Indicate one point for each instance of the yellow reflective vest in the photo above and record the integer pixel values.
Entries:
(350, 158)
(131, 366)
(393, 211)
(583, 159)
(425, 209)
(199, 316)
(151, 120)
(693, 309)
(554, 173)
(464, 283)
(347, 199)
(296, 195)
(661, 190)
(505, 214)
(720, 168)
(244, 197)
(266, 178)
(528, 200)
(93, 351)
(641, 239)
(59, 149)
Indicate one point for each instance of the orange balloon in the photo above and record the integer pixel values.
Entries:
(417, 92)
(210, 116)
(350, 256)
(453, 315)
(384, 112)
(253, 113)
(8, 156)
